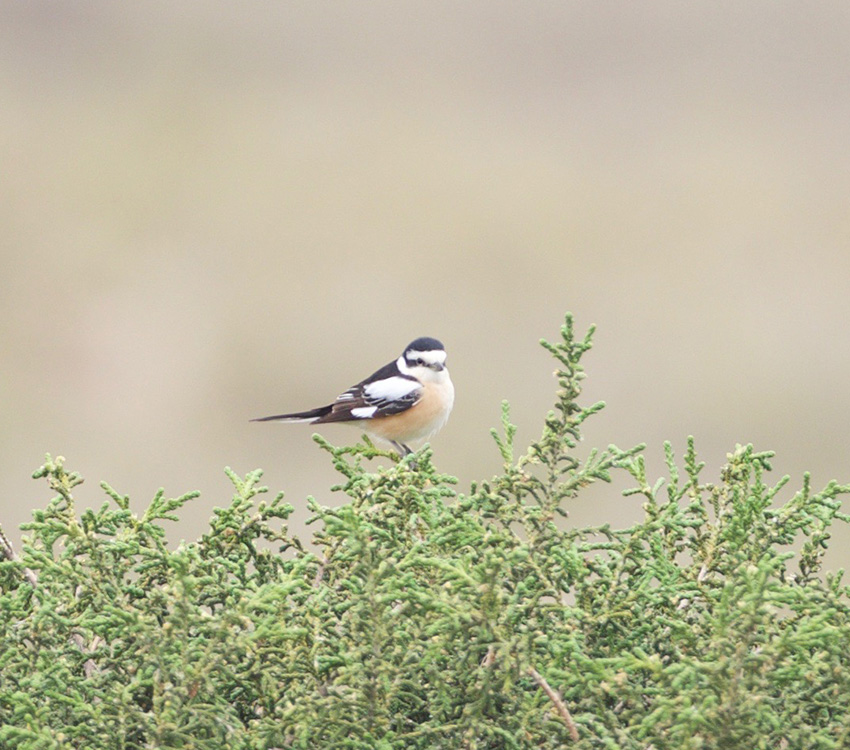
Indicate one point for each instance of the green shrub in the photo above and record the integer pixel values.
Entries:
(420, 617)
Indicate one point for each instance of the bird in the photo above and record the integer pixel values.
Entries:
(406, 400)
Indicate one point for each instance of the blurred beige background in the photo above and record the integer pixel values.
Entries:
(214, 211)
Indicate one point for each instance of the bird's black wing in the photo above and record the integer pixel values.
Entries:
(385, 392)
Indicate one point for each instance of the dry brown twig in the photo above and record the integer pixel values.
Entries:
(9, 553)
(558, 702)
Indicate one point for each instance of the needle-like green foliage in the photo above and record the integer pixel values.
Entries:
(420, 617)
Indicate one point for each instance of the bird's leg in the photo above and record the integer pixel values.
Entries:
(403, 451)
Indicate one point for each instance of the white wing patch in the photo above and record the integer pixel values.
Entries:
(390, 389)
(364, 412)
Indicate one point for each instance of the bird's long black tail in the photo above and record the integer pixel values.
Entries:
(300, 416)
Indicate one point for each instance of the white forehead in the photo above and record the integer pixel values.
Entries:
(431, 357)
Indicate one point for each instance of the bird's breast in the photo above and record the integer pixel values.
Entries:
(420, 421)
